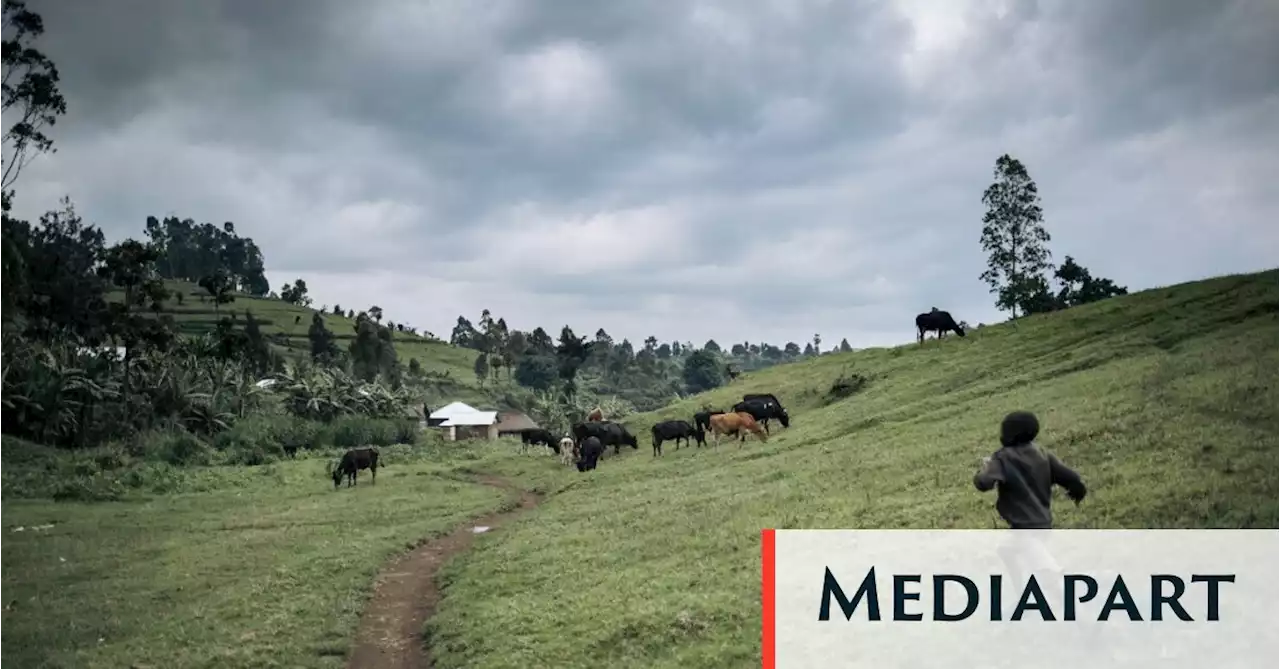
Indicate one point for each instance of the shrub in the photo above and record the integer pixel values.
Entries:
(299, 433)
(98, 487)
(173, 446)
(250, 442)
(846, 385)
(358, 431)
(407, 431)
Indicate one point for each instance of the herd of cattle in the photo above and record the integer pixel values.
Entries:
(590, 438)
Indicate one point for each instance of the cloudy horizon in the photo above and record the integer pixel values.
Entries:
(720, 170)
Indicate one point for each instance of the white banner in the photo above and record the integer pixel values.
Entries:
(1075, 599)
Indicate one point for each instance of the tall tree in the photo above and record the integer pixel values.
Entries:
(323, 347)
(32, 101)
(1013, 235)
(844, 346)
(702, 371)
(219, 285)
(482, 368)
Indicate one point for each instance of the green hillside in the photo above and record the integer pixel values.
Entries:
(287, 324)
(1165, 401)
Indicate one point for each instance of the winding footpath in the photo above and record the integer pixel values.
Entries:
(405, 594)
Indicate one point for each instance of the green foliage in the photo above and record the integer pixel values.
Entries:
(219, 259)
(358, 431)
(846, 385)
(703, 371)
(1013, 235)
(30, 92)
(295, 293)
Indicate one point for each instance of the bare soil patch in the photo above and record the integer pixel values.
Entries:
(405, 594)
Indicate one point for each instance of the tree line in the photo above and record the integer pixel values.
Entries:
(647, 376)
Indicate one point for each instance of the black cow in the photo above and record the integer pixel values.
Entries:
(540, 436)
(290, 449)
(609, 434)
(678, 430)
(591, 448)
(763, 410)
(936, 321)
(702, 419)
(353, 461)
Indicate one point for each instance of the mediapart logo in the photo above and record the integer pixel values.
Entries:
(990, 598)
(1033, 597)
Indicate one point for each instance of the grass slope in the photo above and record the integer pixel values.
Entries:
(1165, 401)
(269, 569)
(289, 323)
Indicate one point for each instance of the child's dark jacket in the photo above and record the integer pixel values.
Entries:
(1025, 476)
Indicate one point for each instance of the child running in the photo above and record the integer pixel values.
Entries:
(1024, 475)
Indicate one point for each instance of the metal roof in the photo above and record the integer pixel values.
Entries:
(452, 409)
(471, 418)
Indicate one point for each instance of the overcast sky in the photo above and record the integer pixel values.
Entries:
(738, 170)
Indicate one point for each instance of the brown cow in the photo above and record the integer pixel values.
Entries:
(735, 423)
(596, 415)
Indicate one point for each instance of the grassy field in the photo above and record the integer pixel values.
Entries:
(290, 323)
(1165, 401)
(270, 569)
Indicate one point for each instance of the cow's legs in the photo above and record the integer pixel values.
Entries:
(373, 472)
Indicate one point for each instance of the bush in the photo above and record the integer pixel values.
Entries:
(99, 487)
(174, 446)
(407, 431)
(299, 433)
(846, 385)
(250, 442)
(358, 431)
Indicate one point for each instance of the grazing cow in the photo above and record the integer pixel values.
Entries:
(591, 449)
(538, 436)
(677, 430)
(936, 321)
(702, 419)
(609, 434)
(735, 423)
(566, 451)
(353, 461)
(763, 410)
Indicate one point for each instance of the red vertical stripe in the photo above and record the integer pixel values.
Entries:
(767, 601)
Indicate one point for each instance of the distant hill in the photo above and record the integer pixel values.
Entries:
(287, 324)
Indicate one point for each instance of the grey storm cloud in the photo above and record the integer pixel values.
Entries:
(753, 171)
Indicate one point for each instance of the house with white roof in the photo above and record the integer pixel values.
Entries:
(460, 420)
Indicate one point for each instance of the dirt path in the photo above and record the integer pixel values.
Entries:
(405, 593)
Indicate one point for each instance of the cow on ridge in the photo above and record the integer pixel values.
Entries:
(936, 321)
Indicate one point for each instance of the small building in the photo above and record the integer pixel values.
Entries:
(460, 421)
(512, 423)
